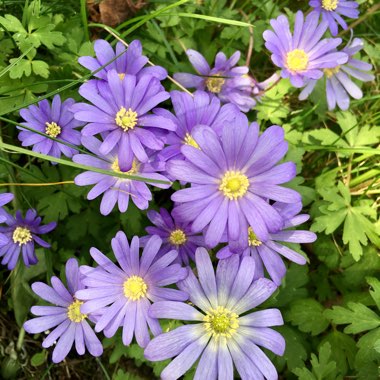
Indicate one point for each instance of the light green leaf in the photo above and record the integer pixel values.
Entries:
(375, 291)
(12, 24)
(20, 67)
(40, 68)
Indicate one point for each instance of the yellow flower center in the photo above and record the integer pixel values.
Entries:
(74, 313)
(135, 288)
(177, 237)
(297, 60)
(252, 238)
(330, 5)
(221, 322)
(135, 167)
(214, 84)
(234, 184)
(121, 76)
(52, 129)
(330, 72)
(188, 140)
(21, 235)
(126, 119)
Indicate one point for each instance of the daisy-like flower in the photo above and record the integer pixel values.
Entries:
(66, 316)
(20, 234)
(339, 85)
(190, 111)
(229, 82)
(131, 62)
(116, 189)
(232, 178)
(268, 253)
(219, 334)
(4, 199)
(333, 10)
(174, 234)
(55, 120)
(121, 296)
(121, 108)
(302, 55)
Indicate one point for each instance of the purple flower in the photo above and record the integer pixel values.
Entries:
(67, 317)
(267, 253)
(219, 334)
(175, 235)
(190, 111)
(56, 121)
(333, 10)
(20, 235)
(228, 81)
(232, 177)
(4, 199)
(131, 62)
(339, 85)
(122, 296)
(116, 189)
(304, 54)
(120, 108)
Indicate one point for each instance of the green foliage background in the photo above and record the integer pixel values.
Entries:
(331, 306)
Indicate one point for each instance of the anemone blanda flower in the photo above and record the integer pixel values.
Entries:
(302, 55)
(20, 235)
(232, 177)
(174, 234)
(120, 112)
(131, 62)
(339, 85)
(55, 120)
(333, 10)
(116, 189)
(121, 296)
(66, 316)
(4, 199)
(218, 332)
(226, 80)
(268, 253)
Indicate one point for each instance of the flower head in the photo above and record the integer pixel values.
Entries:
(121, 296)
(66, 316)
(120, 112)
(131, 62)
(226, 80)
(218, 333)
(55, 120)
(304, 54)
(20, 234)
(232, 177)
(333, 10)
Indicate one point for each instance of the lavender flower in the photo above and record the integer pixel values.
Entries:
(228, 81)
(120, 108)
(175, 235)
(131, 62)
(267, 253)
(20, 235)
(333, 10)
(219, 334)
(232, 178)
(122, 296)
(339, 85)
(4, 199)
(116, 189)
(56, 121)
(66, 315)
(304, 54)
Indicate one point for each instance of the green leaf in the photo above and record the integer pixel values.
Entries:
(375, 292)
(39, 358)
(367, 360)
(20, 67)
(48, 37)
(40, 68)
(12, 24)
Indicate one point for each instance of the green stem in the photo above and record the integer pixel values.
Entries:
(107, 376)
(20, 339)
(364, 177)
(83, 12)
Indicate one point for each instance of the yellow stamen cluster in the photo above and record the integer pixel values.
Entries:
(221, 322)
(215, 83)
(252, 238)
(74, 313)
(21, 235)
(177, 237)
(330, 5)
(189, 140)
(126, 119)
(234, 184)
(116, 168)
(52, 129)
(297, 60)
(135, 288)
(330, 72)
(121, 76)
